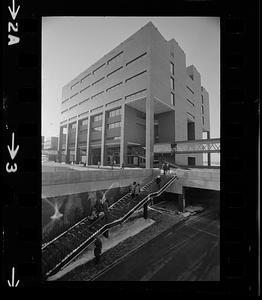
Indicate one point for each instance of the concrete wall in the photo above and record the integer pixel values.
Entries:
(197, 178)
(73, 182)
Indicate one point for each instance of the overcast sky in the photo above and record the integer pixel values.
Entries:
(72, 44)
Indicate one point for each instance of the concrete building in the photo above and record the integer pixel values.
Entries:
(51, 143)
(139, 94)
(50, 149)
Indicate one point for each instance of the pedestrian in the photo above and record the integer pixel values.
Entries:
(98, 164)
(163, 167)
(168, 168)
(133, 189)
(158, 181)
(105, 209)
(137, 189)
(97, 250)
(112, 164)
(123, 166)
(98, 206)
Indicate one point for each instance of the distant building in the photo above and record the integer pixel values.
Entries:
(49, 152)
(51, 143)
(139, 94)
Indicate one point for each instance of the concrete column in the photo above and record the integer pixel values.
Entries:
(76, 143)
(145, 211)
(149, 132)
(123, 145)
(88, 140)
(103, 138)
(66, 149)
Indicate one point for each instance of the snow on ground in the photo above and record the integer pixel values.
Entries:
(116, 235)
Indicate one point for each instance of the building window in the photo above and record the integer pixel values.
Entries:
(98, 128)
(203, 121)
(135, 76)
(84, 89)
(114, 86)
(173, 99)
(65, 100)
(141, 114)
(172, 68)
(113, 72)
(114, 125)
(202, 99)
(191, 115)
(172, 83)
(84, 122)
(73, 95)
(191, 161)
(113, 59)
(73, 125)
(114, 112)
(190, 90)
(138, 93)
(96, 95)
(85, 77)
(74, 85)
(94, 83)
(97, 69)
(133, 60)
(190, 102)
(98, 118)
(202, 109)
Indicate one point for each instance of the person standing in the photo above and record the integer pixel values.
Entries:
(133, 189)
(98, 164)
(137, 189)
(158, 181)
(97, 250)
(168, 169)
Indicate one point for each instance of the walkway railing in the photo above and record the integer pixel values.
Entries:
(65, 248)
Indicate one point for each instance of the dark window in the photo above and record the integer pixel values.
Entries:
(191, 161)
(172, 68)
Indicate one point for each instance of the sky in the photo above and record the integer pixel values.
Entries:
(72, 44)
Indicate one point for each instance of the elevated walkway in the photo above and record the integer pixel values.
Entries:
(63, 249)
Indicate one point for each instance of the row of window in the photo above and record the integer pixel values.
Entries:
(114, 125)
(115, 112)
(98, 117)
(96, 95)
(110, 61)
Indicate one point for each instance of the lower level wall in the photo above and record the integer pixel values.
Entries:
(70, 209)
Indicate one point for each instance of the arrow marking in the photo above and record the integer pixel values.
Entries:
(13, 12)
(13, 279)
(13, 151)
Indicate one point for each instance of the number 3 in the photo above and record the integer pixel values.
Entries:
(11, 169)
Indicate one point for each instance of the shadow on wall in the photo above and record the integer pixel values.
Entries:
(60, 213)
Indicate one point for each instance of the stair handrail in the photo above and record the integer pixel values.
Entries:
(107, 226)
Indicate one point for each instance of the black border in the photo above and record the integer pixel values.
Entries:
(21, 79)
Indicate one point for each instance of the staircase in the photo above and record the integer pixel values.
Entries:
(63, 249)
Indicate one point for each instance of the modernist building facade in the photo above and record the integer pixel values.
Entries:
(139, 94)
